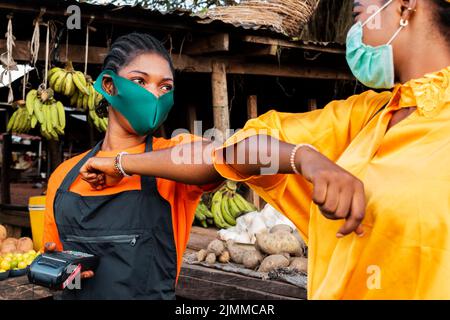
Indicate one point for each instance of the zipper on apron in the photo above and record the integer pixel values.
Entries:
(131, 239)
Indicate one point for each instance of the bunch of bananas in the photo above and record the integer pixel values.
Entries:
(42, 108)
(203, 215)
(226, 206)
(66, 81)
(79, 88)
(20, 121)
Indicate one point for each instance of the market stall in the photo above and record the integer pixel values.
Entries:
(248, 66)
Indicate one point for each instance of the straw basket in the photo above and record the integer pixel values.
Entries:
(283, 16)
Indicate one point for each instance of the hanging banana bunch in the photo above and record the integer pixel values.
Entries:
(42, 108)
(93, 101)
(226, 206)
(67, 81)
(79, 88)
(20, 121)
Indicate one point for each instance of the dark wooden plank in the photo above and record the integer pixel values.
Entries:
(21, 52)
(289, 44)
(198, 64)
(19, 288)
(208, 44)
(200, 289)
(15, 218)
(198, 242)
(201, 237)
(231, 279)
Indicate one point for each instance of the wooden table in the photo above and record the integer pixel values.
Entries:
(18, 288)
(197, 282)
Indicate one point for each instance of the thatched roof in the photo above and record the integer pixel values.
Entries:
(287, 17)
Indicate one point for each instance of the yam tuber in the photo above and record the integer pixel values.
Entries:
(3, 233)
(273, 262)
(237, 251)
(299, 264)
(279, 242)
(281, 227)
(201, 255)
(216, 247)
(224, 257)
(252, 259)
(210, 258)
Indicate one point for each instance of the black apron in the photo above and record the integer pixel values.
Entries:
(130, 231)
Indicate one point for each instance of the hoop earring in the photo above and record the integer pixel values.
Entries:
(102, 108)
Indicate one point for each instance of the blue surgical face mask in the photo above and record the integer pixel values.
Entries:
(373, 66)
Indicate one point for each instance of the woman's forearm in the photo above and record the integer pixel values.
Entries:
(261, 155)
(189, 163)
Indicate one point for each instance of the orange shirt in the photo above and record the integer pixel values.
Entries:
(182, 198)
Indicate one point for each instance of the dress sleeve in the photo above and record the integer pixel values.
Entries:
(330, 130)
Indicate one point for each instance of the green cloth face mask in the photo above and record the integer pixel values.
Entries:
(144, 111)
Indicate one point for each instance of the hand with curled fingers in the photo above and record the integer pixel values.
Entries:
(339, 194)
(100, 173)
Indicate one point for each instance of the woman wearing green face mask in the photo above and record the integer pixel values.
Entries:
(139, 228)
(366, 180)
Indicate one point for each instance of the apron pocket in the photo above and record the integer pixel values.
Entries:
(125, 263)
(130, 239)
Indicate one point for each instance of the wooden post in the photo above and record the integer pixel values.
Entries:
(91, 131)
(252, 112)
(312, 104)
(54, 155)
(6, 167)
(192, 117)
(220, 97)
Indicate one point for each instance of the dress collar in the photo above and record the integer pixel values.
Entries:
(429, 93)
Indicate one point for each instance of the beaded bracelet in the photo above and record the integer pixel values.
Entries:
(118, 165)
(294, 153)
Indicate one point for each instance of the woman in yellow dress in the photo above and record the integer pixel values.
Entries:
(366, 180)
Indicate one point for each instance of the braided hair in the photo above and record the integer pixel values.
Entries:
(124, 50)
(442, 14)
(129, 46)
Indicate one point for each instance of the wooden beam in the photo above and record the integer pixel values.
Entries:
(289, 44)
(101, 15)
(288, 71)
(15, 218)
(220, 97)
(21, 52)
(270, 50)
(187, 63)
(210, 44)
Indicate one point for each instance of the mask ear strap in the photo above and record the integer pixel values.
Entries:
(377, 12)
(100, 83)
(403, 24)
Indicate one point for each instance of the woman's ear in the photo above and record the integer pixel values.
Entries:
(408, 9)
(108, 85)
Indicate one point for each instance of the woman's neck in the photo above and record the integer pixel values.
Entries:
(420, 61)
(117, 138)
(120, 141)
